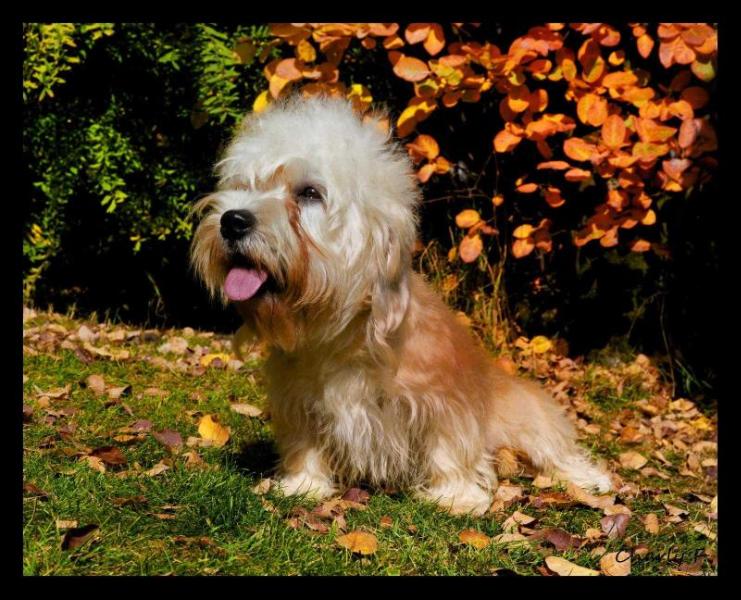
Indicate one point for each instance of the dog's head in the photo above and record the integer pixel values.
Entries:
(312, 225)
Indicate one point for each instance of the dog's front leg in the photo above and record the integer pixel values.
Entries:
(455, 483)
(303, 471)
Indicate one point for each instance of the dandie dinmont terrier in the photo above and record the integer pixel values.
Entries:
(371, 378)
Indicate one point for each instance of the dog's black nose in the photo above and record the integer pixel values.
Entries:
(235, 224)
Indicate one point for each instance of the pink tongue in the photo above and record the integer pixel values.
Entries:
(242, 284)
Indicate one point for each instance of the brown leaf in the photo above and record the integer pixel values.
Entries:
(551, 499)
(96, 384)
(157, 469)
(169, 438)
(78, 536)
(129, 501)
(615, 563)
(359, 542)
(651, 523)
(110, 455)
(559, 538)
(32, 490)
(615, 525)
(632, 460)
(386, 522)
(356, 495)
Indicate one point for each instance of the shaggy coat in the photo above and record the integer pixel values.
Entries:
(370, 375)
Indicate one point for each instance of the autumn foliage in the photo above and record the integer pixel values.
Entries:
(616, 112)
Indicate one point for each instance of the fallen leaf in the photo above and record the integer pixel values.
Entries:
(262, 487)
(210, 429)
(615, 525)
(160, 467)
(386, 522)
(78, 536)
(474, 538)
(615, 564)
(66, 524)
(359, 542)
(35, 492)
(559, 538)
(705, 530)
(543, 481)
(169, 438)
(95, 463)
(96, 384)
(356, 495)
(110, 455)
(246, 409)
(651, 523)
(564, 568)
(129, 501)
(515, 520)
(114, 393)
(632, 460)
(548, 499)
(193, 460)
(583, 497)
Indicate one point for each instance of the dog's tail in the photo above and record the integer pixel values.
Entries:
(531, 421)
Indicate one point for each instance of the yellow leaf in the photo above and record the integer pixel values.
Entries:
(210, 429)
(207, 359)
(540, 344)
(474, 538)
(467, 218)
(261, 102)
(359, 542)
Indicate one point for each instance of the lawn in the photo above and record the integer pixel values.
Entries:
(149, 452)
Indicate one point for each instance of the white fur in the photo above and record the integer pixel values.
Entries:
(370, 377)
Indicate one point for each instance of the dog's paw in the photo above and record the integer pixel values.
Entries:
(470, 499)
(301, 484)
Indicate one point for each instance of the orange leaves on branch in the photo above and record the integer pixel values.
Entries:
(629, 136)
(408, 68)
(613, 132)
(592, 109)
(578, 149)
(470, 248)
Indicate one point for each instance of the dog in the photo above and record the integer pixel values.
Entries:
(370, 376)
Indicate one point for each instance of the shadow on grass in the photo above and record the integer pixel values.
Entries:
(257, 458)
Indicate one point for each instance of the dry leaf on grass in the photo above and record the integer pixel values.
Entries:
(172, 440)
(359, 542)
(78, 536)
(632, 460)
(262, 487)
(96, 384)
(615, 564)
(615, 525)
(651, 523)
(564, 568)
(210, 429)
(246, 409)
(516, 519)
(584, 497)
(474, 538)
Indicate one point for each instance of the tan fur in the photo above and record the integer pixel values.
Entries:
(370, 376)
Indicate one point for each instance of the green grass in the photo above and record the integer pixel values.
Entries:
(249, 534)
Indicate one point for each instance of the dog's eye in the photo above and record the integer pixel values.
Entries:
(309, 194)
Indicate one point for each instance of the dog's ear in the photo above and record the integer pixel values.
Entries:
(390, 293)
